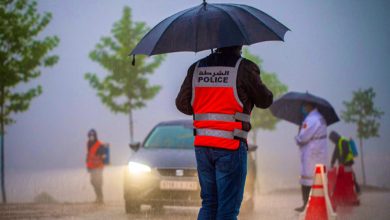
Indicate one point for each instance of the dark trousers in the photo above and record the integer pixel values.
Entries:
(357, 187)
(305, 193)
(222, 175)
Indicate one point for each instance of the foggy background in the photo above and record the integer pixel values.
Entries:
(334, 48)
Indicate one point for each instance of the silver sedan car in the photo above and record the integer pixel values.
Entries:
(162, 171)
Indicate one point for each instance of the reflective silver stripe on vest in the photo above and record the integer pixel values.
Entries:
(222, 117)
(193, 84)
(216, 76)
(242, 117)
(221, 133)
(235, 83)
(240, 133)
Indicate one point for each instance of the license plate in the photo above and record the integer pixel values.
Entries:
(178, 185)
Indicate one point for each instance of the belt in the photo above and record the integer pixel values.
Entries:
(307, 177)
(319, 137)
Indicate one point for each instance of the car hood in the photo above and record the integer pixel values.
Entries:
(166, 158)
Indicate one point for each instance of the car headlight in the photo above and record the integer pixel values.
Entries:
(138, 168)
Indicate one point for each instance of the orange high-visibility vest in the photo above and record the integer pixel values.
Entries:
(218, 111)
(94, 161)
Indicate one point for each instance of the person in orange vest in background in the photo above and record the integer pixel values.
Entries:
(220, 92)
(343, 154)
(95, 163)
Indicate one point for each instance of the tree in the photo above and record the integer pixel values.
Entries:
(126, 87)
(263, 118)
(362, 112)
(22, 52)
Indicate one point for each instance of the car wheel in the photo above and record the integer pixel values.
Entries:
(132, 207)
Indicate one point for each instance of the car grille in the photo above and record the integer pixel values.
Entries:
(172, 172)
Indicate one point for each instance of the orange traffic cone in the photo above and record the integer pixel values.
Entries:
(344, 191)
(319, 206)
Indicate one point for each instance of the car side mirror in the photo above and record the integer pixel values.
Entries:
(135, 146)
(252, 147)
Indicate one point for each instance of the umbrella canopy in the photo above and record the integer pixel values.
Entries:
(288, 107)
(209, 26)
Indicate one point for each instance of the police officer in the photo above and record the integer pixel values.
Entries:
(311, 140)
(343, 154)
(220, 92)
(96, 154)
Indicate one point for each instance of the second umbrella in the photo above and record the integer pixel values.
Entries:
(288, 107)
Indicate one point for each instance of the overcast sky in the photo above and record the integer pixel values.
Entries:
(334, 48)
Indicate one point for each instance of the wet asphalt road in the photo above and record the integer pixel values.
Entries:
(374, 205)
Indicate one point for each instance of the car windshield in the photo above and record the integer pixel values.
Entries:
(171, 136)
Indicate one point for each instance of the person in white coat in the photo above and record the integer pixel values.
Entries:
(312, 142)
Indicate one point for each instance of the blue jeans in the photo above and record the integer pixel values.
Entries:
(222, 175)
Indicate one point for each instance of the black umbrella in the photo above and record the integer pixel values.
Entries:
(288, 107)
(209, 26)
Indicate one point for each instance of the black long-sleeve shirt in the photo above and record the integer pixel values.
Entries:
(251, 90)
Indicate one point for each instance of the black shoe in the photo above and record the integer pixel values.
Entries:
(300, 209)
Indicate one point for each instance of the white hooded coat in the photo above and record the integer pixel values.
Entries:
(312, 140)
